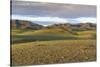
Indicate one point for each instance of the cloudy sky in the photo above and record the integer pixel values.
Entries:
(50, 13)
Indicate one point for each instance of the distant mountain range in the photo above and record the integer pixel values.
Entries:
(21, 24)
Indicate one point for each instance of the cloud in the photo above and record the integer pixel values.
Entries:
(86, 19)
(53, 10)
(50, 13)
(41, 19)
(53, 20)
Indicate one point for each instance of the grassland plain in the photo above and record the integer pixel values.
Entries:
(57, 51)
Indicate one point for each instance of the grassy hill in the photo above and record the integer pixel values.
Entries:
(40, 35)
(21, 35)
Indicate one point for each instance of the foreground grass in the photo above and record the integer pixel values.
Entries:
(49, 52)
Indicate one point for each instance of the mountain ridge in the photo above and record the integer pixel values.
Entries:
(22, 24)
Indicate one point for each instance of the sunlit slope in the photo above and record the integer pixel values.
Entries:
(25, 35)
(44, 34)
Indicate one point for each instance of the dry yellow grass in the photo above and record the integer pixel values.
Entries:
(50, 52)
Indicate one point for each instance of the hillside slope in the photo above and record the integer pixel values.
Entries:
(21, 24)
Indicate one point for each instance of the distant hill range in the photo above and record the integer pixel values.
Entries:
(21, 24)
(78, 26)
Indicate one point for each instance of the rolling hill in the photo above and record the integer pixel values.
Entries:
(25, 31)
(21, 24)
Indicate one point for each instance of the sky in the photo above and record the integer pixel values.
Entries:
(51, 13)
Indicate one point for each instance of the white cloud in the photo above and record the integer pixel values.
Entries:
(53, 20)
(86, 19)
(45, 19)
